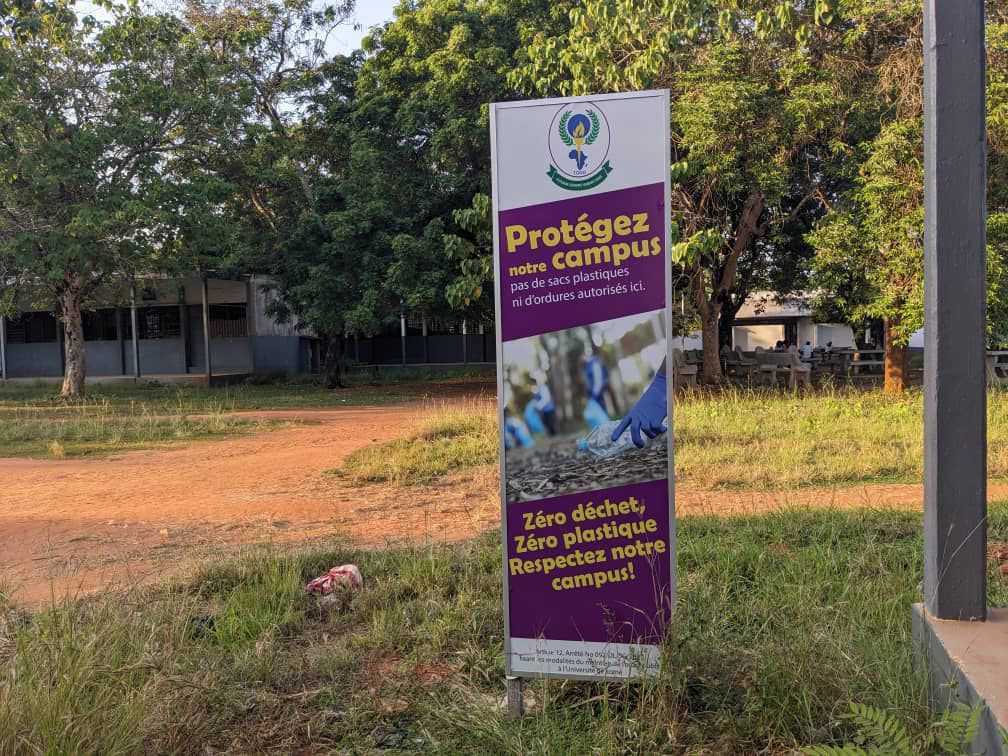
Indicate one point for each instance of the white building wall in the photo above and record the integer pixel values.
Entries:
(841, 335)
(748, 337)
(806, 332)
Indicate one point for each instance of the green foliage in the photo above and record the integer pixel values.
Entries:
(426, 84)
(869, 258)
(95, 118)
(472, 253)
(869, 248)
(882, 732)
(394, 143)
(100, 122)
(765, 101)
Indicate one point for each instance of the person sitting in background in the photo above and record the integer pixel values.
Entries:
(780, 346)
(806, 351)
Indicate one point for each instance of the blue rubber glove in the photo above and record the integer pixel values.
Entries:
(647, 415)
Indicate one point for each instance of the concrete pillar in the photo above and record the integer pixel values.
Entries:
(3, 348)
(61, 341)
(119, 341)
(426, 339)
(204, 290)
(184, 332)
(250, 320)
(402, 331)
(135, 328)
(955, 420)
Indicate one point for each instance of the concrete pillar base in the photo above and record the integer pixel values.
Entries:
(967, 662)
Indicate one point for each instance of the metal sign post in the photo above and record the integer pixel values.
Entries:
(955, 421)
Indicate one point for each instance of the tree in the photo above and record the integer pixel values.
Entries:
(92, 119)
(869, 261)
(871, 250)
(396, 140)
(763, 105)
(431, 73)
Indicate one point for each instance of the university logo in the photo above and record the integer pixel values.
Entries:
(578, 146)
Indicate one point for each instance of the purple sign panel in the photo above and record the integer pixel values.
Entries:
(580, 260)
(591, 566)
(582, 275)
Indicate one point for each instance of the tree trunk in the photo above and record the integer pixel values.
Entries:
(896, 363)
(722, 284)
(711, 352)
(73, 330)
(726, 321)
(333, 370)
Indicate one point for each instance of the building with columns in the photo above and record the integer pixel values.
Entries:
(167, 327)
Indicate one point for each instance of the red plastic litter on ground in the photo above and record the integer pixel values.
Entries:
(346, 575)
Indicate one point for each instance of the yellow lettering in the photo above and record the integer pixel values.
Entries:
(516, 236)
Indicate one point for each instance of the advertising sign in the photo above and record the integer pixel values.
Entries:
(583, 280)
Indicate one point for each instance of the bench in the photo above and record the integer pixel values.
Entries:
(856, 365)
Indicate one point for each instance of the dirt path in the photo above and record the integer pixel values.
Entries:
(78, 525)
(75, 525)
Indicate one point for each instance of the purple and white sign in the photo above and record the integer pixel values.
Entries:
(583, 279)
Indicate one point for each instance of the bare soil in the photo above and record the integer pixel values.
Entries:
(76, 526)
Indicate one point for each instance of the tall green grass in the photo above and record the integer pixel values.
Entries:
(442, 440)
(731, 439)
(782, 619)
(758, 439)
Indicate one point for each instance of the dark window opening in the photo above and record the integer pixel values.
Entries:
(100, 325)
(154, 323)
(228, 321)
(32, 328)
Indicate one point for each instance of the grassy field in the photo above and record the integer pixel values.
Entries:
(741, 439)
(445, 439)
(99, 428)
(736, 439)
(782, 620)
(35, 422)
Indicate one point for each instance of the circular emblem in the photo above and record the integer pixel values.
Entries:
(578, 142)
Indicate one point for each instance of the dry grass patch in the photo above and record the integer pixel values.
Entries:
(444, 438)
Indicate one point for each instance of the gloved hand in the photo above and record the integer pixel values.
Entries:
(647, 415)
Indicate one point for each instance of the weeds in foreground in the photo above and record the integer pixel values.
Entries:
(782, 620)
(881, 732)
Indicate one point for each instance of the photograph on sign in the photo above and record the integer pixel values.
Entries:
(581, 231)
(567, 394)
